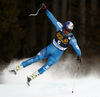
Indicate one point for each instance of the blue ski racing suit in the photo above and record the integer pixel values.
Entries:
(54, 51)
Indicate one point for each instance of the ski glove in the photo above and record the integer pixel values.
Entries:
(43, 6)
(79, 59)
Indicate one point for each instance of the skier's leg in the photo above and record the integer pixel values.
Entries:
(46, 66)
(54, 55)
(51, 60)
(40, 71)
(41, 55)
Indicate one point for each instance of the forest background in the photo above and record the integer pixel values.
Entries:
(22, 36)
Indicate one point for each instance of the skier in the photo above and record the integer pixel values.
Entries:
(53, 52)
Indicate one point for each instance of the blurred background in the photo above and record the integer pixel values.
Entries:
(22, 36)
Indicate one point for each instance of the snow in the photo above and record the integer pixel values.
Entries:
(88, 87)
(48, 84)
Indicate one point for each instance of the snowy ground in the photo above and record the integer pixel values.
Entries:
(47, 85)
(83, 88)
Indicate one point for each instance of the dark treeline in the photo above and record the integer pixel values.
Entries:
(23, 36)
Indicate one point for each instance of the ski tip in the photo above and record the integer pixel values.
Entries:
(13, 72)
(28, 84)
(28, 81)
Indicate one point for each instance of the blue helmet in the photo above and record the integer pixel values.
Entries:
(69, 25)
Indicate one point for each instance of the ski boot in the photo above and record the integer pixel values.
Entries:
(33, 76)
(16, 69)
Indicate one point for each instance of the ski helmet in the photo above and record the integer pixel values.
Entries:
(68, 25)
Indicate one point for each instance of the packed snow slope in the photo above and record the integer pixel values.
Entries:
(55, 82)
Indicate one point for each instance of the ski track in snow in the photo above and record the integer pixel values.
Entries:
(45, 85)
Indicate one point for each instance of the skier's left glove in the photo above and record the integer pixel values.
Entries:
(79, 59)
(43, 6)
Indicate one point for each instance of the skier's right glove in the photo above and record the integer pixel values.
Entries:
(43, 6)
(79, 59)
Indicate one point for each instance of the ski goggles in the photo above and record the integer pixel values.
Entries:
(68, 30)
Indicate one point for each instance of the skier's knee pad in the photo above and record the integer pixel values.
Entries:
(43, 69)
(42, 54)
(52, 59)
(46, 67)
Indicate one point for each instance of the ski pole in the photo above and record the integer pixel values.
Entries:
(36, 12)
(75, 76)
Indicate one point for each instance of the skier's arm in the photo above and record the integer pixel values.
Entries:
(57, 24)
(74, 44)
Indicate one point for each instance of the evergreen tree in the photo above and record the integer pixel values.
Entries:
(10, 31)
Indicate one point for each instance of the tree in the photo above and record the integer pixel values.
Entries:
(30, 39)
(10, 31)
(82, 24)
(56, 14)
(63, 11)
